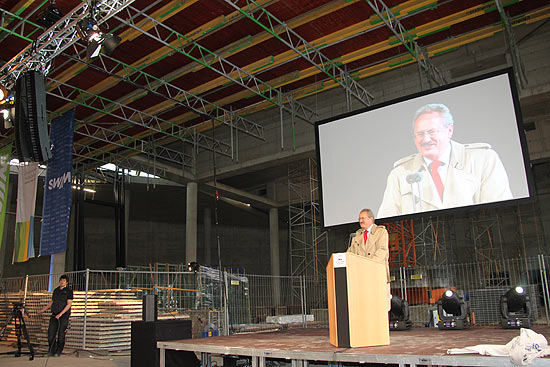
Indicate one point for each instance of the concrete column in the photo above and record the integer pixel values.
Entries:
(274, 247)
(57, 264)
(126, 222)
(69, 253)
(207, 221)
(191, 223)
(57, 267)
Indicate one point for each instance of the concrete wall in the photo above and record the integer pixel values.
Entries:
(156, 232)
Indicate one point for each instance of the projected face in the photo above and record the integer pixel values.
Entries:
(431, 136)
(365, 221)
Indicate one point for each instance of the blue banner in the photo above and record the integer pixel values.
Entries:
(58, 186)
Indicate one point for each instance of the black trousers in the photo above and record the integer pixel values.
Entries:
(57, 329)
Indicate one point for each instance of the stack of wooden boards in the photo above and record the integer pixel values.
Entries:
(109, 314)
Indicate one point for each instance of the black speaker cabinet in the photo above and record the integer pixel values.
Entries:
(146, 334)
(31, 123)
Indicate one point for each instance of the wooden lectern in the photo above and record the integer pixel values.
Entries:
(357, 301)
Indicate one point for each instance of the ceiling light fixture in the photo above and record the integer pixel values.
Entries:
(88, 30)
(7, 107)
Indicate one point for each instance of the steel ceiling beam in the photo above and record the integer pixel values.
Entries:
(513, 50)
(166, 36)
(389, 18)
(21, 29)
(162, 88)
(294, 41)
(133, 144)
(101, 157)
(133, 116)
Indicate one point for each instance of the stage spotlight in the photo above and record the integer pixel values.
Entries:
(193, 267)
(7, 108)
(515, 309)
(90, 32)
(3, 93)
(399, 314)
(110, 42)
(453, 311)
(7, 118)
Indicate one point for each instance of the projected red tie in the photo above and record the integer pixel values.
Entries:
(434, 166)
(365, 235)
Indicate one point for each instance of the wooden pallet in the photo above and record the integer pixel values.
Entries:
(109, 314)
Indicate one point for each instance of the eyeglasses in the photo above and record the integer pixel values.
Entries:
(421, 134)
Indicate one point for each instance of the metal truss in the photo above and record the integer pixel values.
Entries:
(178, 42)
(103, 157)
(125, 113)
(303, 48)
(23, 29)
(513, 50)
(60, 36)
(389, 18)
(136, 145)
(164, 89)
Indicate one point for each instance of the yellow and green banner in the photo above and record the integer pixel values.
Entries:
(24, 218)
(5, 156)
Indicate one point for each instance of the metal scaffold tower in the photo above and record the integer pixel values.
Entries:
(430, 242)
(308, 244)
(401, 243)
(487, 236)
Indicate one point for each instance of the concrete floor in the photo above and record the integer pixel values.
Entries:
(69, 358)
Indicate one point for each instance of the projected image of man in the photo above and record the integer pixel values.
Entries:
(371, 241)
(444, 173)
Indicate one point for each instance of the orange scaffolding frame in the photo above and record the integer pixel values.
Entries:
(401, 243)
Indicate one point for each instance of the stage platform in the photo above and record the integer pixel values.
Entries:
(415, 347)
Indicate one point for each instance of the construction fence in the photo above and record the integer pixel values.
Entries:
(220, 303)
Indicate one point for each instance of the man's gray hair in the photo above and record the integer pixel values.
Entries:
(369, 212)
(435, 107)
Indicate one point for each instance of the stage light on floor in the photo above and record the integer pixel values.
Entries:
(399, 314)
(453, 311)
(515, 309)
(193, 267)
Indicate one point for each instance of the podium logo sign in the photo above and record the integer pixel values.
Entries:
(340, 260)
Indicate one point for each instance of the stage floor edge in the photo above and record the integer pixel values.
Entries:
(422, 346)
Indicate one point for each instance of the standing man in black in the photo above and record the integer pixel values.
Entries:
(62, 300)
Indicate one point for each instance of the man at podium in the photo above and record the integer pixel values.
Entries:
(371, 241)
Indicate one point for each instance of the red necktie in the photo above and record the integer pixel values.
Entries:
(434, 166)
(365, 234)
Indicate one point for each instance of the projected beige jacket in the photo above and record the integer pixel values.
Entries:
(376, 247)
(475, 175)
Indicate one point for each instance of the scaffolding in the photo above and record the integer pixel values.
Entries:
(401, 243)
(430, 242)
(309, 251)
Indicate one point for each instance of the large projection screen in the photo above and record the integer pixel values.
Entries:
(378, 158)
